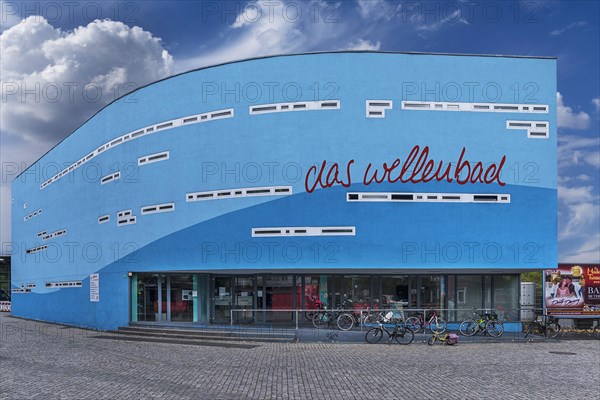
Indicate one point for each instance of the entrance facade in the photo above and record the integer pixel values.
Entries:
(267, 298)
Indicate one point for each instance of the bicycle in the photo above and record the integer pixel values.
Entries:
(487, 323)
(436, 323)
(400, 334)
(373, 317)
(325, 318)
(319, 306)
(550, 329)
(448, 338)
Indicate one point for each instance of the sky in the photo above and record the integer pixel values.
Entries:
(60, 62)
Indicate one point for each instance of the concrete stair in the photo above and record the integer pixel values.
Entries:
(240, 337)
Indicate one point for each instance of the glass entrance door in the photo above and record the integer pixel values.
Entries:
(182, 309)
(244, 300)
(147, 298)
(222, 299)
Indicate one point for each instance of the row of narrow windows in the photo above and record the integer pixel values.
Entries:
(126, 217)
(62, 284)
(374, 109)
(198, 118)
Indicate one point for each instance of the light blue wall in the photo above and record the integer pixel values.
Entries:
(216, 235)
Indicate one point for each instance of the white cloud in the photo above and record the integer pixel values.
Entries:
(578, 178)
(575, 195)
(579, 222)
(585, 251)
(373, 10)
(596, 103)
(454, 18)
(273, 34)
(578, 151)
(71, 74)
(362, 44)
(573, 25)
(579, 202)
(569, 119)
(56, 66)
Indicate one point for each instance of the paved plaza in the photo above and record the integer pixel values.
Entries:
(44, 361)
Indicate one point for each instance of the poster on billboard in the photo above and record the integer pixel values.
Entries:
(573, 290)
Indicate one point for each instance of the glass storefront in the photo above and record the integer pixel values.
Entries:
(268, 298)
(164, 297)
(357, 290)
(181, 289)
(506, 296)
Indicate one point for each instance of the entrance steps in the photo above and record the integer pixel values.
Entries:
(205, 335)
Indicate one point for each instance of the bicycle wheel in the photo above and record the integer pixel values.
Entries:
(438, 325)
(321, 320)
(404, 336)
(413, 324)
(494, 328)
(552, 330)
(345, 322)
(468, 327)
(432, 340)
(374, 335)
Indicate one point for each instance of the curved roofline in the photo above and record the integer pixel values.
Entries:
(278, 56)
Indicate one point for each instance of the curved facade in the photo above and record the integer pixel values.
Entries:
(293, 166)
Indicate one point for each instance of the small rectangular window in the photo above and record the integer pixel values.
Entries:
(256, 191)
(163, 126)
(485, 198)
(158, 208)
(267, 232)
(220, 114)
(402, 197)
(506, 108)
(378, 104)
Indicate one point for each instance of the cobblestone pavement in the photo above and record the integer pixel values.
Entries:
(43, 361)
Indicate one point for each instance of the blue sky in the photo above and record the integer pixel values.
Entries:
(117, 44)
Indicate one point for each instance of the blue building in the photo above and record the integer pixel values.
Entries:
(419, 180)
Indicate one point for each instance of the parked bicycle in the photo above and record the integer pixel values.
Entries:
(374, 317)
(447, 338)
(487, 323)
(400, 333)
(436, 323)
(326, 318)
(550, 327)
(319, 306)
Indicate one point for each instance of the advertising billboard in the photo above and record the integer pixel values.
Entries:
(573, 290)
